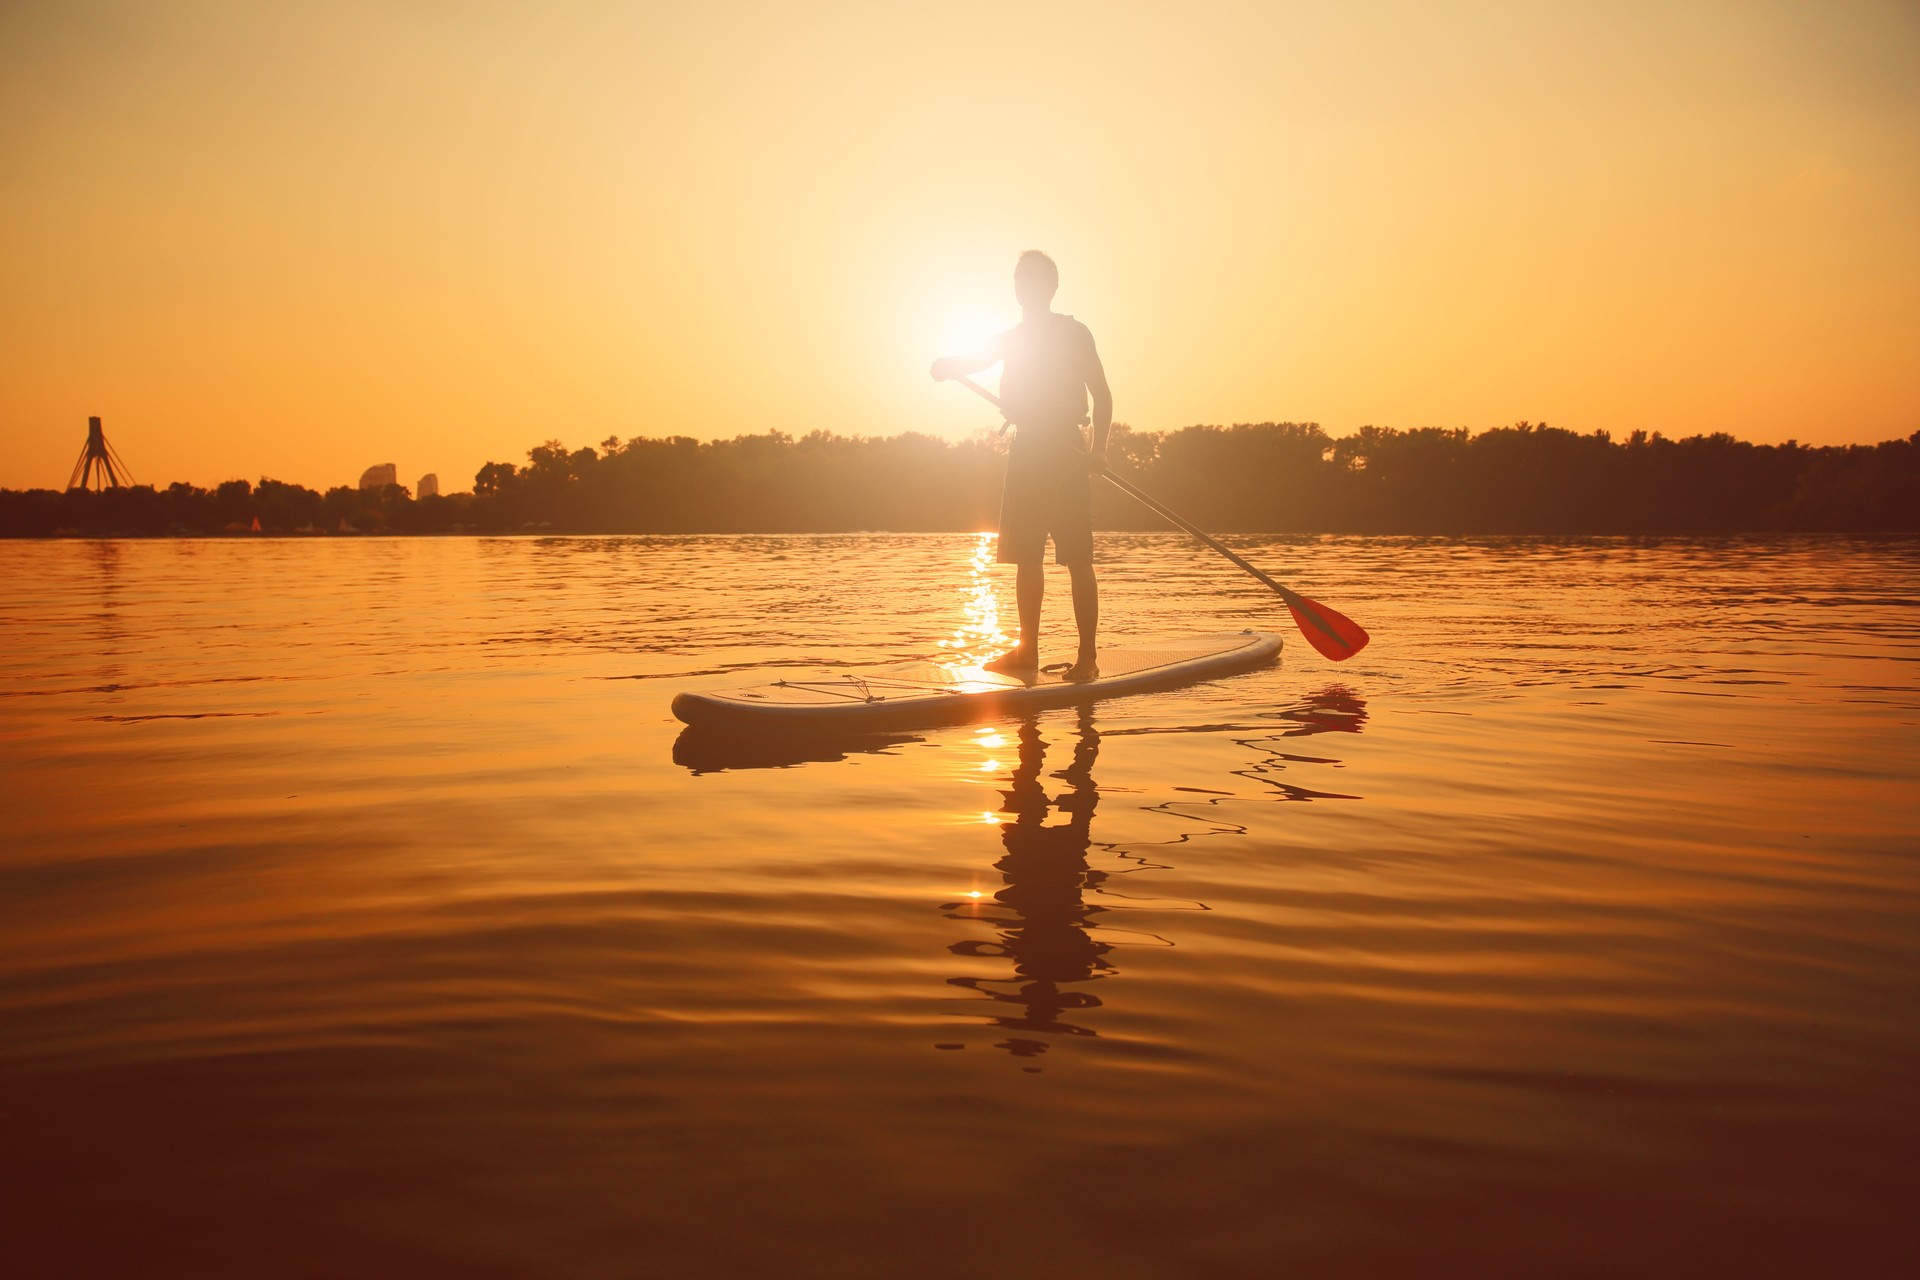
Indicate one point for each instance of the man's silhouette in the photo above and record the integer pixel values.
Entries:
(1050, 366)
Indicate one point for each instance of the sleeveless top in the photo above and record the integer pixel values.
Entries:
(1043, 382)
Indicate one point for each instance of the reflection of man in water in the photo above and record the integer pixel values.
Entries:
(1050, 366)
(1045, 928)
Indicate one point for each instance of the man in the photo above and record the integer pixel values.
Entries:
(1050, 366)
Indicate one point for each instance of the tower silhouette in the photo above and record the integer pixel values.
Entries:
(99, 466)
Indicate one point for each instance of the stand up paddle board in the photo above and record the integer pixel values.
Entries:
(919, 694)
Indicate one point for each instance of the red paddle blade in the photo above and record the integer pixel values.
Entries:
(1335, 635)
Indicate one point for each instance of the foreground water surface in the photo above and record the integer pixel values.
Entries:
(366, 913)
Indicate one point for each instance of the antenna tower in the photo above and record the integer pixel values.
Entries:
(99, 466)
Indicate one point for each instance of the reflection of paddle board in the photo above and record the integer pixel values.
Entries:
(925, 693)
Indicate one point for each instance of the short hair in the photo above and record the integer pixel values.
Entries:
(1039, 266)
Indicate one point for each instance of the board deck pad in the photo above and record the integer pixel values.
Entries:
(917, 694)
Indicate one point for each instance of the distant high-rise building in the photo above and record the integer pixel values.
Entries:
(429, 486)
(379, 477)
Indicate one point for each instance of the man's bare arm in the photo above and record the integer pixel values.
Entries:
(1102, 402)
(960, 366)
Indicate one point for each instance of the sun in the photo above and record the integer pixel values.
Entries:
(968, 332)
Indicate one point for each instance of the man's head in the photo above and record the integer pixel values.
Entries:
(1035, 279)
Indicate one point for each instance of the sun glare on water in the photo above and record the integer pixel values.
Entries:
(979, 637)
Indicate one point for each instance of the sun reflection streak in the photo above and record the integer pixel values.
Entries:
(979, 637)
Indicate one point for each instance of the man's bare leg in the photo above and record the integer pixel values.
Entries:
(1029, 586)
(1086, 618)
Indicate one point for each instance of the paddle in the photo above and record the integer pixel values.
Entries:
(1336, 636)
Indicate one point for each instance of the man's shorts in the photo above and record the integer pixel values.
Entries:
(1048, 494)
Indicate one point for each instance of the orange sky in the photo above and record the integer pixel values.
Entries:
(295, 239)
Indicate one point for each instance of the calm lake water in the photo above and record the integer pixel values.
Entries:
(366, 914)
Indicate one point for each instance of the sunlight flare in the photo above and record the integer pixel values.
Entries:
(979, 636)
(970, 331)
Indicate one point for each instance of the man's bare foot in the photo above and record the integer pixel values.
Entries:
(1082, 671)
(1014, 660)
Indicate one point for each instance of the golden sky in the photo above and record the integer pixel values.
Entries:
(294, 239)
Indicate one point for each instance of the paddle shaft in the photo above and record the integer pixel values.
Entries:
(1147, 501)
(1159, 509)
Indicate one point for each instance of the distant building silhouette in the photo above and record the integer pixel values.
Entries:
(99, 466)
(429, 486)
(380, 476)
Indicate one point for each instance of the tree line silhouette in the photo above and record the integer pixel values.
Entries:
(1279, 477)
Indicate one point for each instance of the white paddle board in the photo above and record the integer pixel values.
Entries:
(917, 694)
